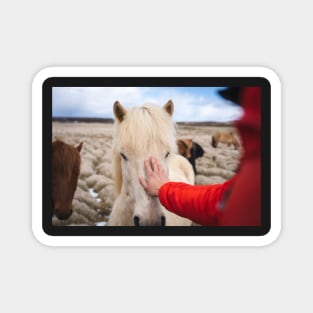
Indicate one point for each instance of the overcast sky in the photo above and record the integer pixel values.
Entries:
(190, 103)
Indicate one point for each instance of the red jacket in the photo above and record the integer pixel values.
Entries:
(236, 202)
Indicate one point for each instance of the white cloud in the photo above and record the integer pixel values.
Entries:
(98, 102)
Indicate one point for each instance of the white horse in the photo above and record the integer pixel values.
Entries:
(139, 133)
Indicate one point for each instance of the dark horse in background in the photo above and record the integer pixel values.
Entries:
(65, 171)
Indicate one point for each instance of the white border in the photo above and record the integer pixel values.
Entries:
(156, 240)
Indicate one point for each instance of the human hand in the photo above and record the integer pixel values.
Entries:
(155, 177)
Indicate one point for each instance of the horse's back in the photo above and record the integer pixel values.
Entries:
(226, 138)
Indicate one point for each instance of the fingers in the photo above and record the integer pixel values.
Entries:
(143, 182)
(152, 168)
(156, 167)
(148, 167)
(155, 176)
(152, 165)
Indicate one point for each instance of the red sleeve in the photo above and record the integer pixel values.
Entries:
(197, 203)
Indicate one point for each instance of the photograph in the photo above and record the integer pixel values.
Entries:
(110, 144)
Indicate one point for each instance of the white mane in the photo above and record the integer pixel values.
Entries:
(147, 124)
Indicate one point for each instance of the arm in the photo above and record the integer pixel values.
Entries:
(197, 203)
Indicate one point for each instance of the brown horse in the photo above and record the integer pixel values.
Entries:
(184, 146)
(65, 172)
(226, 138)
(190, 150)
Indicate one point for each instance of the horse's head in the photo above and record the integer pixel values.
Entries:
(65, 172)
(141, 132)
(184, 147)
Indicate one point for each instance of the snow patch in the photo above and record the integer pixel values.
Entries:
(94, 195)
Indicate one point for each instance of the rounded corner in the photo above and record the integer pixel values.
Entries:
(42, 76)
(271, 236)
(41, 236)
(271, 76)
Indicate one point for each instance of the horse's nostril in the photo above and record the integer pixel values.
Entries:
(136, 220)
(163, 220)
(62, 215)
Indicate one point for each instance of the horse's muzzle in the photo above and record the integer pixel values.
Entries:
(163, 220)
(140, 222)
(63, 215)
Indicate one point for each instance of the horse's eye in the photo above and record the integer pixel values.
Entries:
(167, 154)
(123, 156)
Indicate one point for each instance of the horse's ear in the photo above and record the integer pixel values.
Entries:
(119, 111)
(169, 107)
(79, 147)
